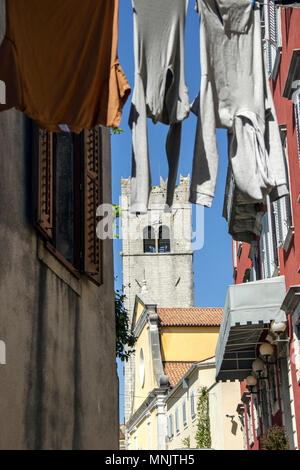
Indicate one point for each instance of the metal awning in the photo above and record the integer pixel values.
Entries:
(249, 309)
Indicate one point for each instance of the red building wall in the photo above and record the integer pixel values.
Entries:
(289, 261)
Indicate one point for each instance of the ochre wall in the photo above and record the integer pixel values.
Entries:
(188, 343)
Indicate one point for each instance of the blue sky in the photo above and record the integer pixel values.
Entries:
(213, 263)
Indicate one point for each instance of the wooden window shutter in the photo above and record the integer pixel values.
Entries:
(92, 199)
(43, 181)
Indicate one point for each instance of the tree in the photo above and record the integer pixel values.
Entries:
(125, 339)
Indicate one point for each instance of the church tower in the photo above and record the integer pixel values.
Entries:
(157, 253)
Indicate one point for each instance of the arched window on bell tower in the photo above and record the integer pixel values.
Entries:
(163, 239)
(149, 240)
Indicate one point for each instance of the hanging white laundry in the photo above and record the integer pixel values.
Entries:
(235, 95)
(160, 90)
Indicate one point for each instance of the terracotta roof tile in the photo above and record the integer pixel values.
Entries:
(192, 316)
(175, 370)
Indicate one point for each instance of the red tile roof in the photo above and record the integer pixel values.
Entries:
(175, 370)
(193, 316)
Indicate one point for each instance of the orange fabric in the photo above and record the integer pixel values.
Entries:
(60, 65)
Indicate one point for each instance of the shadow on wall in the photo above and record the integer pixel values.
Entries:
(234, 427)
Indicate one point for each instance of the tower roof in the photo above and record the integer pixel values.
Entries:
(192, 316)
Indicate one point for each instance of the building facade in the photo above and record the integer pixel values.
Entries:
(57, 324)
(156, 250)
(198, 387)
(271, 258)
(174, 361)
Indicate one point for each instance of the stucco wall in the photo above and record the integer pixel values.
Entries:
(183, 344)
(58, 389)
(226, 433)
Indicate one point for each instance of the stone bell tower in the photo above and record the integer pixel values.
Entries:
(157, 252)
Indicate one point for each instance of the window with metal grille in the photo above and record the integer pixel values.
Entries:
(66, 194)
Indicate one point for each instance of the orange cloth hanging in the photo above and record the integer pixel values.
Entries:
(59, 63)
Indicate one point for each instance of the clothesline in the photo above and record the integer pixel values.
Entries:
(92, 88)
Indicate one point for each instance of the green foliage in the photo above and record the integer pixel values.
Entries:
(275, 439)
(203, 437)
(186, 442)
(125, 340)
(116, 215)
(116, 130)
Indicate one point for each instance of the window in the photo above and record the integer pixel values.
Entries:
(282, 208)
(184, 413)
(265, 405)
(273, 390)
(149, 240)
(66, 194)
(193, 414)
(156, 245)
(2, 353)
(170, 426)
(296, 100)
(177, 420)
(273, 37)
(296, 338)
(142, 368)
(266, 252)
(256, 415)
(242, 421)
(163, 239)
(253, 255)
(250, 424)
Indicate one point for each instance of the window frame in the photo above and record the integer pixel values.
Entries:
(149, 241)
(177, 420)
(44, 186)
(170, 426)
(184, 413)
(155, 241)
(249, 423)
(273, 37)
(296, 104)
(161, 242)
(193, 408)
